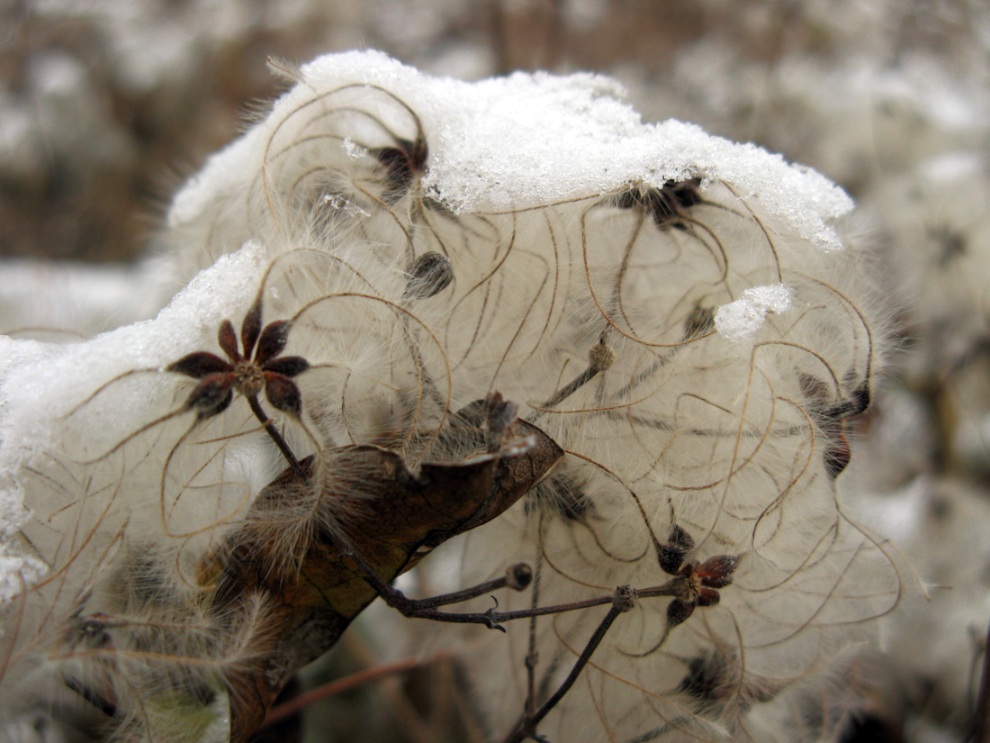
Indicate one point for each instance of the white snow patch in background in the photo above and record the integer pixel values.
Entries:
(740, 319)
(532, 139)
(65, 299)
(952, 167)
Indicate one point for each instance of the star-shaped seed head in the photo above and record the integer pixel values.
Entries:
(695, 583)
(257, 367)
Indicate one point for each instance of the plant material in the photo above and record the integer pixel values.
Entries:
(248, 373)
(681, 326)
(403, 514)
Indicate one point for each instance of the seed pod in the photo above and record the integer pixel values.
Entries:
(430, 274)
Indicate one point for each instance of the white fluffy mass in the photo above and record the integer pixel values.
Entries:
(414, 245)
(498, 144)
(532, 139)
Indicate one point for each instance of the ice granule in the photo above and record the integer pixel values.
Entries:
(738, 320)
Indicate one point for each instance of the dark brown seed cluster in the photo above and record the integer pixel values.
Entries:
(667, 205)
(258, 367)
(696, 583)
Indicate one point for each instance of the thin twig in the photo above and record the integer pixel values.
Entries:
(422, 608)
(532, 657)
(623, 600)
(270, 429)
(981, 720)
(347, 683)
(517, 577)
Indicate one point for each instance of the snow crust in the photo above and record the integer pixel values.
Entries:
(531, 139)
(739, 320)
(16, 571)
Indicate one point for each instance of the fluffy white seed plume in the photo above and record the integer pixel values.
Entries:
(429, 242)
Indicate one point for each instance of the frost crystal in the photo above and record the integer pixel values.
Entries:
(16, 571)
(740, 319)
(354, 151)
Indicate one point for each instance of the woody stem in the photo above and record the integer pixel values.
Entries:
(622, 601)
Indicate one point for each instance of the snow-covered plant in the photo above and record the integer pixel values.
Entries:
(408, 303)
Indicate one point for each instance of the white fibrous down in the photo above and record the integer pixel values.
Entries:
(434, 241)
